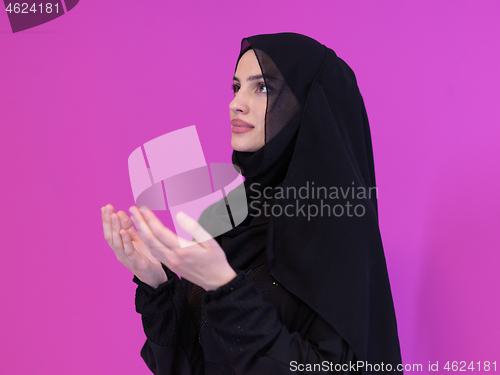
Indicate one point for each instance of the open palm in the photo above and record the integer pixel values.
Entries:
(129, 247)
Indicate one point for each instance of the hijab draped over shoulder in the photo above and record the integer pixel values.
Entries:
(322, 242)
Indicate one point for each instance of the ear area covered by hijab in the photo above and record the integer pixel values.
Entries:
(323, 245)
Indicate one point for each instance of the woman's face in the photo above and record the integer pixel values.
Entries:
(248, 108)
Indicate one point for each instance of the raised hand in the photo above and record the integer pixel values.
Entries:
(203, 263)
(129, 247)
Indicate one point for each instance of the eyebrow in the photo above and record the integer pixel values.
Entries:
(251, 78)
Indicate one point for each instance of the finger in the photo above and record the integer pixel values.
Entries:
(120, 253)
(131, 258)
(196, 230)
(163, 233)
(157, 229)
(126, 223)
(147, 235)
(106, 224)
(128, 247)
(117, 238)
(135, 258)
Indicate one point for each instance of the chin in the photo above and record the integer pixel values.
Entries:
(238, 147)
(243, 148)
(240, 144)
(244, 144)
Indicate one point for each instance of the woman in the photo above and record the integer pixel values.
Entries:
(301, 284)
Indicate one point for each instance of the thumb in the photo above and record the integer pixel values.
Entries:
(127, 225)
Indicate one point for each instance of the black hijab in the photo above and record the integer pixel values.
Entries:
(317, 136)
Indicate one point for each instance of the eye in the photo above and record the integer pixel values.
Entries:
(262, 86)
(235, 88)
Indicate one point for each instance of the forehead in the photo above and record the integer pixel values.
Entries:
(248, 64)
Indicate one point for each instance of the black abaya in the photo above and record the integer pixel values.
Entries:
(261, 328)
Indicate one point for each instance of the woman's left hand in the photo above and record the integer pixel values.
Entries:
(203, 263)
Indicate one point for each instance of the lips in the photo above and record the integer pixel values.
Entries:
(241, 124)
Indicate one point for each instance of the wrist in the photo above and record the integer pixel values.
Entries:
(222, 279)
(155, 282)
(162, 279)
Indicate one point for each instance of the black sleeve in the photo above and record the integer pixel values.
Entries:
(171, 346)
(249, 330)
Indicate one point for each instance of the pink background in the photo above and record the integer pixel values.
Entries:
(80, 93)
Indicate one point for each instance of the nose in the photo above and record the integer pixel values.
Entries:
(239, 104)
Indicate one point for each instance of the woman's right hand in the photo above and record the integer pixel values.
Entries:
(129, 248)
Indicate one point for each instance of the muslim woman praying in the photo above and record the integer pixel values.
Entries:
(301, 284)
